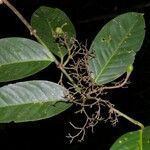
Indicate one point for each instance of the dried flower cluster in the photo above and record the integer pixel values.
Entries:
(85, 94)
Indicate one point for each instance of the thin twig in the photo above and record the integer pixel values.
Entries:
(118, 85)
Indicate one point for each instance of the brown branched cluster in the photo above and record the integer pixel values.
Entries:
(84, 93)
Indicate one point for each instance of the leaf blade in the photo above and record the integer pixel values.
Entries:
(130, 140)
(45, 20)
(31, 100)
(115, 47)
(20, 57)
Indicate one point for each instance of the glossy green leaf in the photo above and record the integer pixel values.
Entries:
(115, 46)
(49, 22)
(130, 141)
(31, 100)
(20, 57)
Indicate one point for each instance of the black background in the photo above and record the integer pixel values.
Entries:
(88, 18)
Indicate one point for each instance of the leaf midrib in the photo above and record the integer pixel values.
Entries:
(102, 70)
(33, 102)
(20, 62)
(47, 21)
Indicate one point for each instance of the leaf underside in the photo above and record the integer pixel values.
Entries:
(31, 100)
(115, 46)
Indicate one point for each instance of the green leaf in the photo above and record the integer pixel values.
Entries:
(51, 21)
(32, 100)
(20, 57)
(115, 47)
(130, 141)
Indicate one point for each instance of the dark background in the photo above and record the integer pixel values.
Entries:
(88, 18)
